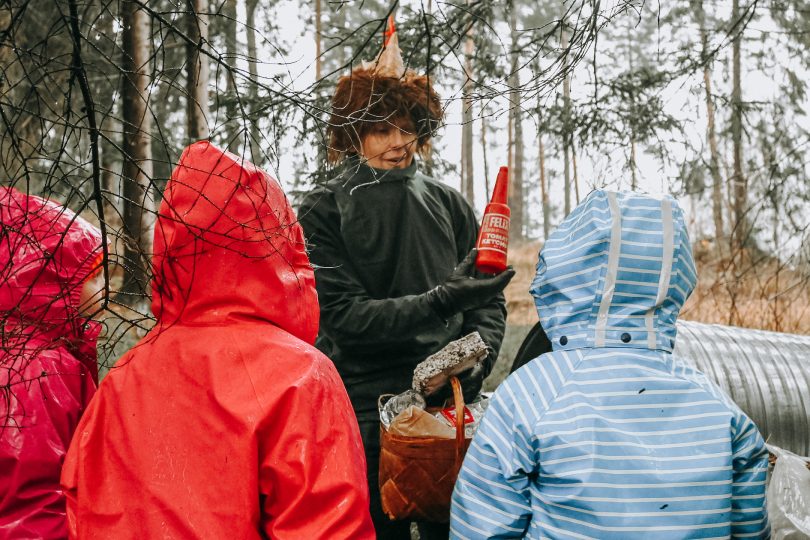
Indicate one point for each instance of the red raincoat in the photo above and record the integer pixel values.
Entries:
(224, 422)
(48, 367)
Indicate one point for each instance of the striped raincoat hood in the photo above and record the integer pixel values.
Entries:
(615, 273)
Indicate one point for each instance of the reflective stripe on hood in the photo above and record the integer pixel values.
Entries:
(226, 234)
(615, 273)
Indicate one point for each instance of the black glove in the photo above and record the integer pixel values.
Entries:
(463, 291)
(471, 381)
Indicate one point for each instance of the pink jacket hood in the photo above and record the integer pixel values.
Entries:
(46, 253)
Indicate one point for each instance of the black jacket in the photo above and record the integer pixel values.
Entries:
(378, 240)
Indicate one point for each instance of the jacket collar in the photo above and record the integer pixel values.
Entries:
(355, 172)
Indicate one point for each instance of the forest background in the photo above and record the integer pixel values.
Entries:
(703, 99)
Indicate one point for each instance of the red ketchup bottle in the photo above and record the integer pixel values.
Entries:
(493, 238)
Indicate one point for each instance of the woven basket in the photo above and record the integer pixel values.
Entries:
(417, 475)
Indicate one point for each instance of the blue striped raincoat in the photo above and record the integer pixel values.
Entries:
(609, 436)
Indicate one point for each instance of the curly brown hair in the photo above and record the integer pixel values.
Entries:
(364, 98)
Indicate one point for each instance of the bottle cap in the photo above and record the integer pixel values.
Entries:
(501, 192)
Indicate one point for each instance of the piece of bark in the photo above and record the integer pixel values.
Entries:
(455, 358)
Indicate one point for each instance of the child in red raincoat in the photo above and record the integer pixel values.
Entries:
(50, 263)
(224, 421)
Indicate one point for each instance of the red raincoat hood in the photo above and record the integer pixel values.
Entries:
(226, 235)
(46, 253)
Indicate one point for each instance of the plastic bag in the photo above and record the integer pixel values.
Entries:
(394, 405)
(416, 422)
(473, 413)
(789, 496)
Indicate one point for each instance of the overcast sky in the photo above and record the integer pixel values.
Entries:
(684, 100)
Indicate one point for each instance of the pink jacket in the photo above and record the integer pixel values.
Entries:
(48, 369)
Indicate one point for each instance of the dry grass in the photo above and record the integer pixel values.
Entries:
(756, 293)
(753, 291)
(519, 303)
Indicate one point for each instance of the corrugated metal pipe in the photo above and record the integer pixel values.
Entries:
(766, 373)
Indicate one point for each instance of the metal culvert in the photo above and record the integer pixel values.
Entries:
(766, 373)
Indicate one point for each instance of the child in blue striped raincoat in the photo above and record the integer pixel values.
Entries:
(609, 435)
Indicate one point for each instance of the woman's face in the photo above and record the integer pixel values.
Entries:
(92, 294)
(389, 145)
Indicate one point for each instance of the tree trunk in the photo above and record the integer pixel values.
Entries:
(510, 144)
(137, 167)
(633, 176)
(253, 92)
(520, 197)
(714, 160)
(774, 197)
(162, 158)
(541, 153)
(318, 34)
(516, 196)
(739, 181)
(772, 185)
(339, 19)
(566, 123)
(109, 127)
(484, 150)
(108, 180)
(233, 131)
(574, 168)
(467, 176)
(322, 142)
(197, 70)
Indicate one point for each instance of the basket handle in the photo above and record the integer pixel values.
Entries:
(458, 398)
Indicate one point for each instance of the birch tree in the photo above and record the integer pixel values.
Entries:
(516, 195)
(197, 70)
(467, 171)
(711, 135)
(740, 229)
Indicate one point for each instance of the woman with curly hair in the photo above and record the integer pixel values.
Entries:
(393, 251)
